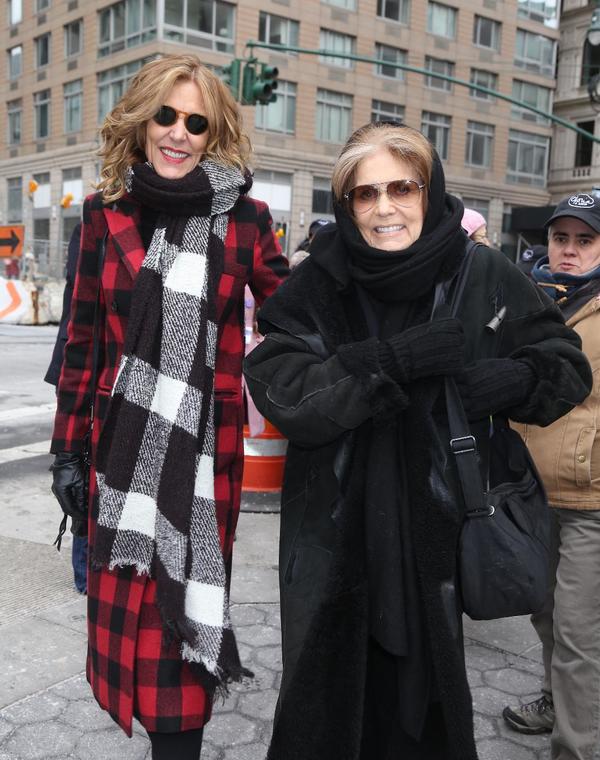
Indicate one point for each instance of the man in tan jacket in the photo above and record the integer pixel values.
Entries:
(567, 454)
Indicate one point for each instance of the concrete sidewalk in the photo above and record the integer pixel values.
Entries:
(46, 708)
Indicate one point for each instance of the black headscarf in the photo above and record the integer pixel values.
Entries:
(409, 273)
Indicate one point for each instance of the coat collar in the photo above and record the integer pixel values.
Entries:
(123, 221)
(590, 307)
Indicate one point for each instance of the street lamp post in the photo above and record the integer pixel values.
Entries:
(593, 38)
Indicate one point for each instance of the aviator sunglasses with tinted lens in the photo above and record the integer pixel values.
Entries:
(195, 123)
(400, 192)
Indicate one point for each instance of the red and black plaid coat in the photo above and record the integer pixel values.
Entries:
(132, 667)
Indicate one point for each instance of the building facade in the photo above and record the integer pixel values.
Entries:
(575, 161)
(67, 62)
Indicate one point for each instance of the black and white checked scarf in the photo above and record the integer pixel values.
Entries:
(155, 462)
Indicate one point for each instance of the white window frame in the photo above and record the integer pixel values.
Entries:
(337, 42)
(436, 127)
(42, 104)
(68, 36)
(14, 191)
(14, 121)
(13, 73)
(392, 55)
(42, 44)
(529, 63)
(283, 110)
(289, 30)
(438, 66)
(332, 104)
(382, 110)
(525, 141)
(478, 131)
(495, 33)
(448, 16)
(208, 40)
(543, 101)
(15, 12)
(386, 8)
(491, 83)
(113, 82)
(73, 105)
(529, 9)
(144, 31)
(348, 5)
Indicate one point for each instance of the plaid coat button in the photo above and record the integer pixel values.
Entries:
(114, 306)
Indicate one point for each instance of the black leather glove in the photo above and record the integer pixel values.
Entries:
(68, 485)
(433, 348)
(489, 386)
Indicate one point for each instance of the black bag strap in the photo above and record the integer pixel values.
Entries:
(462, 442)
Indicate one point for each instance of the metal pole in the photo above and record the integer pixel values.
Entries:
(251, 44)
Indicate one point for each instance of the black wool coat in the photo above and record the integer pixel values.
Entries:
(317, 378)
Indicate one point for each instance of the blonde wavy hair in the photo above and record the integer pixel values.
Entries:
(123, 132)
(403, 142)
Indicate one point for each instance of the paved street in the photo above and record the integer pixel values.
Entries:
(46, 709)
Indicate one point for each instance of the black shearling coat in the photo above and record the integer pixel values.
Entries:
(317, 378)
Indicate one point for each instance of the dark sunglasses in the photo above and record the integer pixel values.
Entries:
(195, 123)
(401, 192)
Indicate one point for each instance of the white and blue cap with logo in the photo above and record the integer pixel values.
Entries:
(582, 206)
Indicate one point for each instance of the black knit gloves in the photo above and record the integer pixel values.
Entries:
(433, 348)
(488, 386)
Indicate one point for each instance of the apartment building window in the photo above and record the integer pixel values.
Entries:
(14, 204)
(391, 55)
(349, 5)
(584, 146)
(545, 11)
(73, 97)
(479, 147)
(73, 38)
(436, 127)
(126, 24)
(15, 11)
(14, 111)
(41, 107)
(338, 43)
(42, 50)
(483, 79)
(277, 30)
(15, 62)
(441, 20)
(112, 83)
(535, 53)
(532, 95)
(206, 24)
(590, 65)
(42, 5)
(394, 10)
(477, 205)
(279, 116)
(439, 67)
(72, 183)
(383, 111)
(486, 33)
(334, 116)
(527, 158)
(42, 196)
(322, 202)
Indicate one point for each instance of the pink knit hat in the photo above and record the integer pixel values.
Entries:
(472, 220)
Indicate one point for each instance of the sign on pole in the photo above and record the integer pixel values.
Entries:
(11, 240)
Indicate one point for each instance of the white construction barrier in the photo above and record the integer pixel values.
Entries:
(16, 306)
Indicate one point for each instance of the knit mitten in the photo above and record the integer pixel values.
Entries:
(488, 386)
(433, 348)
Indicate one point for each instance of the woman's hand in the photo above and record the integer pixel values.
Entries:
(488, 386)
(68, 485)
(433, 348)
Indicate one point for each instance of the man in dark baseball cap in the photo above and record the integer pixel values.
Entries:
(582, 206)
(567, 456)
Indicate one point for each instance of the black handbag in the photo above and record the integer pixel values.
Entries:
(79, 527)
(503, 550)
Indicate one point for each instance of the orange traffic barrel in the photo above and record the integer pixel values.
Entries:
(264, 460)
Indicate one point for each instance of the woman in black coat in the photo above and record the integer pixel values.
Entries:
(351, 371)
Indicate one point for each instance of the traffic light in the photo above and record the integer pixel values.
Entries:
(267, 83)
(258, 87)
(230, 75)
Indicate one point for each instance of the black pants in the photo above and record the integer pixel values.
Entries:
(185, 745)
